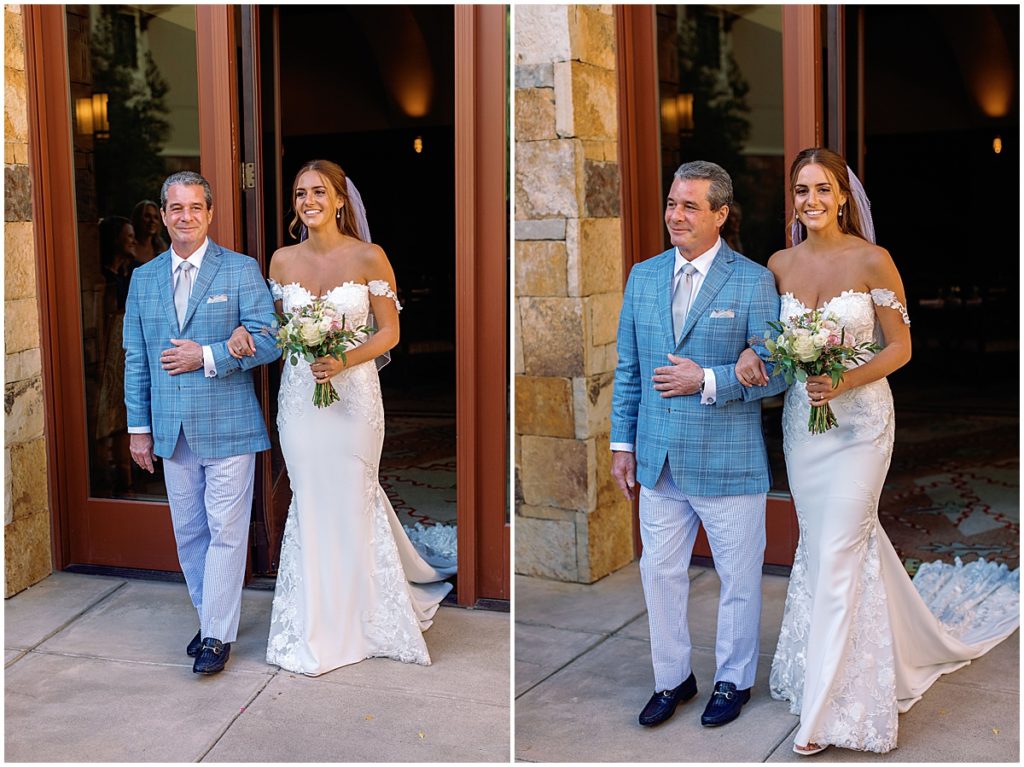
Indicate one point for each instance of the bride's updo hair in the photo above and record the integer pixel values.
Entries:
(333, 175)
(851, 222)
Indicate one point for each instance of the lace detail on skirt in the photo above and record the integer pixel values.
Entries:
(286, 626)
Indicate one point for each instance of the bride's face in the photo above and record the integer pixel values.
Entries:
(315, 200)
(816, 198)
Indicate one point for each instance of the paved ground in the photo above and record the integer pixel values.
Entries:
(583, 673)
(95, 670)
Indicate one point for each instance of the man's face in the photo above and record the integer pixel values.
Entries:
(692, 224)
(186, 217)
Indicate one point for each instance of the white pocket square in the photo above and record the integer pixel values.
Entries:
(216, 299)
(722, 314)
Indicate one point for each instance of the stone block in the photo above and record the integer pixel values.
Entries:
(609, 538)
(546, 512)
(19, 261)
(520, 358)
(594, 249)
(601, 359)
(544, 406)
(585, 101)
(17, 193)
(540, 268)
(21, 325)
(23, 365)
(15, 105)
(592, 35)
(601, 189)
(592, 404)
(602, 311)
(14, 39)
(535, 114)
(8, 503)
(552, 332)
(545, 229)
(558, 472)
(535, 76)
(542, 34)
(27, 557)
(546, 173)
(28, 478)
(546, 548)
(23, 411)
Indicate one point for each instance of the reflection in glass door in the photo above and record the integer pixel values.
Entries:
(133, 84)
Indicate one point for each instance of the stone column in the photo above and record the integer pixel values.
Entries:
(27, 557)
(571, 522)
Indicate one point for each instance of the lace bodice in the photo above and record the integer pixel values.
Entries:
(855, 310)
(350, 298)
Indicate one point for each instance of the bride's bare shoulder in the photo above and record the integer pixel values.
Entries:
(782, 261)
(281, 262)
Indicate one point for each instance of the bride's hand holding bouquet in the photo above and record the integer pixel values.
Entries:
(812, 348)
(316, 333)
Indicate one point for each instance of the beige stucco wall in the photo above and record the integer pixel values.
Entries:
(571, 523)
(27, 555)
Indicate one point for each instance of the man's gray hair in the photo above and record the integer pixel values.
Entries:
(186, 178)
(720, 191)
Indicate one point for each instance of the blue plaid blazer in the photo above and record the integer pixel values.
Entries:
(711, 449)
(220, 415)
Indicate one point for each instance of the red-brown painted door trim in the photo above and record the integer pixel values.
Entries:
(481, 319)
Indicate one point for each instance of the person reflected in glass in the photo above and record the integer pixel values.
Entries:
(860, 642)
(117, 262)
(148, 231)
(350, 584)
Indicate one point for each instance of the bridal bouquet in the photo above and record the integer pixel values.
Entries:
(316, 330)
(814, 344)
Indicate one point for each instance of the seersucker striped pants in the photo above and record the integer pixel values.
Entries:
(735, 528)
(211, 503)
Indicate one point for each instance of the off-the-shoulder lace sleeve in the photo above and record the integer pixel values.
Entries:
(382, 288)
(885, 297)
(275, 289)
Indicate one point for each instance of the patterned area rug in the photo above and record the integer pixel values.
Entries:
(417, 468)
(953, 488)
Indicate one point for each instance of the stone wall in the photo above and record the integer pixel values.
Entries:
(27, 557)
(571, 522)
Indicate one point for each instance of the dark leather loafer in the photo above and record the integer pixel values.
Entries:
(212, 657)
(195, 645)
(663, 704)
(725, 704)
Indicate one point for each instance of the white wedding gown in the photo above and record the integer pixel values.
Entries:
(350, 585)
(860, 642)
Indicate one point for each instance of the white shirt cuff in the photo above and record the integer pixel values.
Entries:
(209, 366)
(621, 447)
(139, 430)
(710, 388)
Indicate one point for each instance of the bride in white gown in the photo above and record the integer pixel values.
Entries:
(860, 642)
(350, 585)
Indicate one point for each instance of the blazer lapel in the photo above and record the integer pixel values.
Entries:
(166, 288)
(211, 263)
(666, 269)
(718, 275)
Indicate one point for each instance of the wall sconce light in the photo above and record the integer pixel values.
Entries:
(997, 145)
(684, 108)
(417, 145)
(91, 115)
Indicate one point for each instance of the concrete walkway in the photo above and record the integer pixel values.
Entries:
(583, 672)
(96, 671)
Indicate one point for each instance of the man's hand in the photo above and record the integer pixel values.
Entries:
(682, 377)
(624, 472)
(141, 447)
(183, 357)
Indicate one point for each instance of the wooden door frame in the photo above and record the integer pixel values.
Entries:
(481, 315)
(640, 164)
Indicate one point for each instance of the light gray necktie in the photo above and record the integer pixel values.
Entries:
(182, 291)
(681, 299)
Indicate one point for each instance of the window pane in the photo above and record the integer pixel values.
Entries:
(134, 97)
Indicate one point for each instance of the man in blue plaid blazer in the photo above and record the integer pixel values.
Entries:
(686, 429)
(192, 403)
